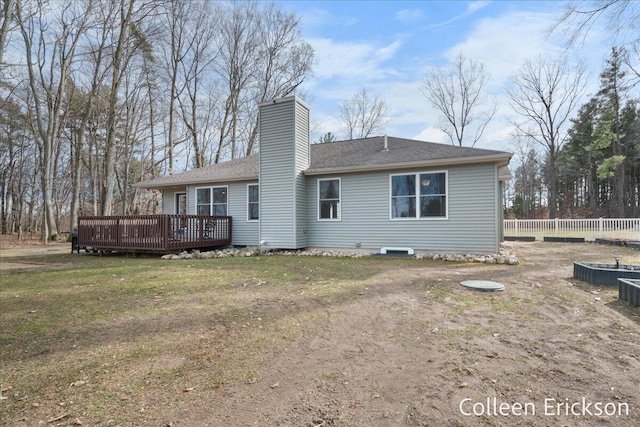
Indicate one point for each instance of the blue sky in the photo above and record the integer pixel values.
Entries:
(387, 47)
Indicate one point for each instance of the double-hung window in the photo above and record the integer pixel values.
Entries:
(419, 195)
(329, 199)
(211, 201)
(253, 202)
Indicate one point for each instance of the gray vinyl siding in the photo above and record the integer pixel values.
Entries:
(301, 164)
(168, 202)
(471, 225)
(244, 233)
(283, 157)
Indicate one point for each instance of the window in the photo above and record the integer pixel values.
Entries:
(422, 195)
(253, 202)
(329, 199)
(211, 201)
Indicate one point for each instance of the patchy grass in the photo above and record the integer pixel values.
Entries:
(115, 340)
(125, 326)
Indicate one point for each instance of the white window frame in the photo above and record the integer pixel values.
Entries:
(339, 205)
(418, 195)
(249, 202)
(211, 188)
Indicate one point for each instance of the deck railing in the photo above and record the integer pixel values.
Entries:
(589, 229)
(153, 232)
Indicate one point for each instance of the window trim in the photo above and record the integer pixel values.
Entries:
(418, 195)
(249, 202)
(339, 218)
(211, 188)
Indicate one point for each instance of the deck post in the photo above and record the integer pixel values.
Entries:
(119, 230)
(165, 231)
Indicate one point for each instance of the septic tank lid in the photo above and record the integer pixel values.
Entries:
(483, 285)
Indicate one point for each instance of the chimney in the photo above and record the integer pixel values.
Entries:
(386, 143)
(284, 156)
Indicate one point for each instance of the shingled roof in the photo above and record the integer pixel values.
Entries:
(343, 157)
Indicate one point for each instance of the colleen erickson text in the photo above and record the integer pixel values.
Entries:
(581, 407)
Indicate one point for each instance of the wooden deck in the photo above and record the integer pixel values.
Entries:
(157, 233)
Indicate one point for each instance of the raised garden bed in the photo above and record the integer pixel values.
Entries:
(629, 290)
(605, 274)
(520, 238)
(564, 239)
(611, 242)
(634, 245)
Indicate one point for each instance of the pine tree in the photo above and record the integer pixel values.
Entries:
(609, 130)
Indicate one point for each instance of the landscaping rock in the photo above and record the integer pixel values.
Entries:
(503, 257)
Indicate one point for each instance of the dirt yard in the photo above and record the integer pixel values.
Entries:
(408, 347)
(406, 354)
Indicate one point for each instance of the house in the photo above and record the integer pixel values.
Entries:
(366, 193)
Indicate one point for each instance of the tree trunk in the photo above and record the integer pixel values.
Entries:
(118, 66)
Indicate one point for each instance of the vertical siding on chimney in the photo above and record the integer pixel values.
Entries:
(284, 155)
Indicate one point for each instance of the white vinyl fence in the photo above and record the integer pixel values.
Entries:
(589, 229)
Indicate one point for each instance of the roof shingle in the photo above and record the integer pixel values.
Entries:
(359, 154)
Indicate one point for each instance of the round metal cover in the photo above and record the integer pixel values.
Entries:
(483, 285)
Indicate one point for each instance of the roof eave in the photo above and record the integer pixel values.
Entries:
(150, 185)
(501, 159)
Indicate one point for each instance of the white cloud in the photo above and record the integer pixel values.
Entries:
(322, 123)
(432, 135)
(395, 70)
(472, 8)
(317, 17)
(504, 43)
(409, 16)
(387, 52)
(475, 6)
(361, 61)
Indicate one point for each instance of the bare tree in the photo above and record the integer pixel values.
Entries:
(187, 24)
(49, 69)
(621, 18)
(6, 18)
(129, 40)
(89, 94)
(545, 94)
(363, 115)
(83, 103)
(456, 92)
(238, 40)
(284, 61)
(194, 68)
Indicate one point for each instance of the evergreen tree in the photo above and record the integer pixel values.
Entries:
(578, 161)
(528, 185)
(327, 137)
(609, 130)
